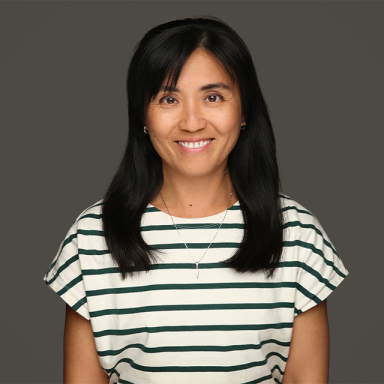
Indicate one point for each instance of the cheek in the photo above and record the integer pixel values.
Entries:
(230, 128)
(233, 140)
(229, 125)
(228, 117)
(159, 137)
(160, 125)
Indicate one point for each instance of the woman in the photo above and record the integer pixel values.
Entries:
(193, 268)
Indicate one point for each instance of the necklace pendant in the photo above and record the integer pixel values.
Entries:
(197, 270)
(197, 263)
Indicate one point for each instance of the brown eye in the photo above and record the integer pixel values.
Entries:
(213, 98)
(169, 100)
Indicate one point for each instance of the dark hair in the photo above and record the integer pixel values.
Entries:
(252, 164)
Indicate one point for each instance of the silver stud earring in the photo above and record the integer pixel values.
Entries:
(243, 126)
(146, 130)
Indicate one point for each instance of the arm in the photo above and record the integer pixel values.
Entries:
(81, 362)
(308, 359)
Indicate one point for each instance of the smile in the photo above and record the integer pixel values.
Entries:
(196, 144)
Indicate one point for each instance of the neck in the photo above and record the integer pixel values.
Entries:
(194, 197)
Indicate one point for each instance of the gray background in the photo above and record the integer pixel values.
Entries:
(63, 129)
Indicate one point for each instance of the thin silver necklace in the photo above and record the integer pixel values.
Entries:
(197, 262)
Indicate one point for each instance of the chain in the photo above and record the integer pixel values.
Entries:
(197, 262)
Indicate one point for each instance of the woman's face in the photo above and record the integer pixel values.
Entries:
(195, 126)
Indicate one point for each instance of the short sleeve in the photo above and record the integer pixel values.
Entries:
(320, 268)
(64, 275)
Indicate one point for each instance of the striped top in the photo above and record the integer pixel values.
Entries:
(166, 326)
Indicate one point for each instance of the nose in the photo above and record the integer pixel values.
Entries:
(191, 118)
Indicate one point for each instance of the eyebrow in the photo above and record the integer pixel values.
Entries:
(203, 88)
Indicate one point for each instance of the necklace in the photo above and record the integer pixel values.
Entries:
(197, 262)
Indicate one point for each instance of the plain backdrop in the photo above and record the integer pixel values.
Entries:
(63, 119)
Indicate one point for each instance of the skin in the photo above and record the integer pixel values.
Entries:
(198, 185)
(308, 360)
(81, 362)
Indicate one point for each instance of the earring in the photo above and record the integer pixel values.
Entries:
(243, 126)
(146, 130)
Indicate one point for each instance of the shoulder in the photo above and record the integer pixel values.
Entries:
(65, 273)
(299, 217)
(89, 218)
(93, 211)
(293, 211)
(86, 223)
(309, 256)
(306, 240)
(301, 227)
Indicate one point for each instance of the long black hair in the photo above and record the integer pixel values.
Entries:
(252, 164)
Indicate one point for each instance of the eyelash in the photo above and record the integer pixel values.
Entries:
(170, 97)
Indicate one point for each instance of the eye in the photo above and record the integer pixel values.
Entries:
(213, 98)
(168, 100)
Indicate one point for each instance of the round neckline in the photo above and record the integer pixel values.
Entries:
(195, 219)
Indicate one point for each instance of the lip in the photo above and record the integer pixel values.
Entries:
(195, 150)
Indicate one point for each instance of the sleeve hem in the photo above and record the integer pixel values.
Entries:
(72, 301)
(322, 295)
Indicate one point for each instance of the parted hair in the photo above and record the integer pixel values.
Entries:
(252, 164)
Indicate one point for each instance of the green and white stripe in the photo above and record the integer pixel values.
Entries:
(165, 326)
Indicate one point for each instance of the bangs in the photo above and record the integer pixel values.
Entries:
(165, 59)
(166, 55)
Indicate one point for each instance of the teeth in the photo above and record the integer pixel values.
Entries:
(195, 144)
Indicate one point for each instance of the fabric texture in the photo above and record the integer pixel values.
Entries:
(166, 326)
